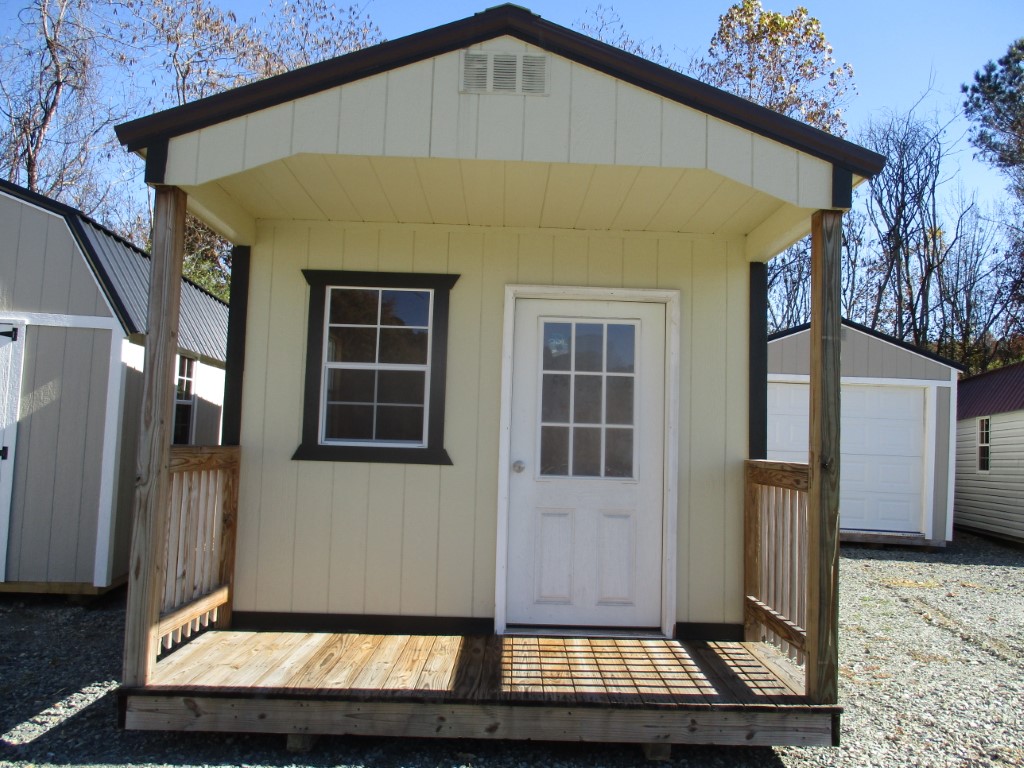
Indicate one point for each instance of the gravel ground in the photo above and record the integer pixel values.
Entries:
(932, 674)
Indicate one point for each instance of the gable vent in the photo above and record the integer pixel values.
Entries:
(512, 73)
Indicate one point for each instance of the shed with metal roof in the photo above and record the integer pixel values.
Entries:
(73, 304)
(989, 495)
(898, 413)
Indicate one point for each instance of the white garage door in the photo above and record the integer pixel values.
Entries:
(882, 438)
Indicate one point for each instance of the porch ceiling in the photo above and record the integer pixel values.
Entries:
(486, 193)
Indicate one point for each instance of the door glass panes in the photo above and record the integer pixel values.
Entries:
(587, 408)
(376, 365)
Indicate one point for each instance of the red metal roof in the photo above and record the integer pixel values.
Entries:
(998, 391)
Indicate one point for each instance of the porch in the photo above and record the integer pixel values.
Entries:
(486, 687)
(203, 676)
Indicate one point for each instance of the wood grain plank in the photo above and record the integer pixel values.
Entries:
(439, 669)
(773, 727)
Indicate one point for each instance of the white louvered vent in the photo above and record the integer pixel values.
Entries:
(504, 68)
(535, 74)
(511, 73)
(474, 72)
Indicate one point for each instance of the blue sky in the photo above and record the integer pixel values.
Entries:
(902, 51)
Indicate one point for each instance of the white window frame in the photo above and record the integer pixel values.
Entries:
(987, 444)
(328, 366)
(190, 401)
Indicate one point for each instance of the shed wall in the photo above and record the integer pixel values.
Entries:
(327, 537)
(991, 501)
(55, 500)
(862, 356)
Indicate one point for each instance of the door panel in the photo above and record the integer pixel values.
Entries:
(587, 475)
(12, 342)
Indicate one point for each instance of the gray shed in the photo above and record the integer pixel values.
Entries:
(73, 299)
(897, 418)
(990, 453)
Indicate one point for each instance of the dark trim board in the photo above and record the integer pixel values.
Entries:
(695, 631)
(519, 23)
(259, 621)
(311, 449)
(757, 415)
(238, 317)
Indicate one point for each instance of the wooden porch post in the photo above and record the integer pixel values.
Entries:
(823, 459)
(149, 533)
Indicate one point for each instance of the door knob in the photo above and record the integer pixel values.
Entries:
(518, 466)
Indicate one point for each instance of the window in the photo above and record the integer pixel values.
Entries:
(184, 401)
(375, 367)
(984, 437)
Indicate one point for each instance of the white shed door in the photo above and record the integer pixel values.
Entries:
(586, 484)
(12, 341)
(882, 473)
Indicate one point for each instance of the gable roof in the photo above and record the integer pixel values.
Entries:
(154, 131)
(875, 334)
(122, 271)
(997, 391)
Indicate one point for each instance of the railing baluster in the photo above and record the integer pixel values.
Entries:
(776, 605)
(197, 589)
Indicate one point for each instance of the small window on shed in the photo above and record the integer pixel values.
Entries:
(184, 401)
(984, 437)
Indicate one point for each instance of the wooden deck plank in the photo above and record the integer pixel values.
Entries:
(311, 674)
(439, 668)
(586, 676)
(349, 663)
(526, 678)
(617, 680)
(410, 664)
(378, 664)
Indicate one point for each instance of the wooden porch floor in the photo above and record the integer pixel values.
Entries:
(597, 689)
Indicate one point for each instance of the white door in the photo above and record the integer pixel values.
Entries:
(882, 442)
(586, 483)
(12, 340)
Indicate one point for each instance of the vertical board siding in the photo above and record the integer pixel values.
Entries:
(55, 500)
(420, 540)
(418, 111)
(35, 244)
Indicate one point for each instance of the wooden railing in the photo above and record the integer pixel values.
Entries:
(200, 551)
(776, 548)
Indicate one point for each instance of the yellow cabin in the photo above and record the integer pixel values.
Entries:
(498, 356)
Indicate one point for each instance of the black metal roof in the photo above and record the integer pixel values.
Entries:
(876, 334)
(153, 131)
(997, 391)
(122, 270)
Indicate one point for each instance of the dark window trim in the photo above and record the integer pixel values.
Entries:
(311, 449)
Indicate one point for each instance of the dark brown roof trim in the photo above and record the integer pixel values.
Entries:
(502, 20)
(876, 334)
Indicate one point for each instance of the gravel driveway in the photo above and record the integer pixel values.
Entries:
(932, 674)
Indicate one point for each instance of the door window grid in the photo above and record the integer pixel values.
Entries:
(377, 352)
(587, 402)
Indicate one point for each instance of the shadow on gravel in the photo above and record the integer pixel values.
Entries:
(51, 649)
(965, 549)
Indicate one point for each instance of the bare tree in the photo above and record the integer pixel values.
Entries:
(981, 281)
(56, 125)
(903, 208)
